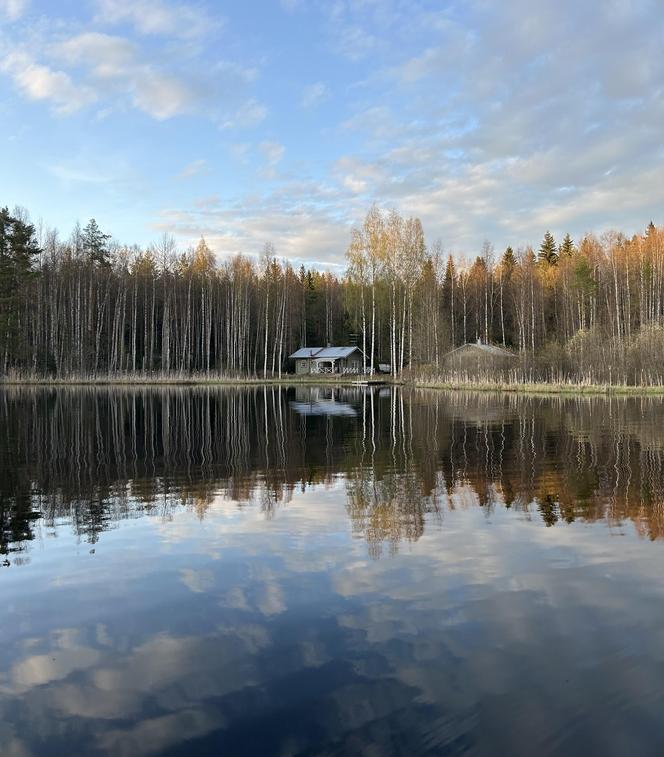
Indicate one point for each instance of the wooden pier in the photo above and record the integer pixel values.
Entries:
(370, 382)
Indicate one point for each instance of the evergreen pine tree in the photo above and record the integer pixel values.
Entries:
(450, 271)
(94, 241)
(567, 247)
(509, 259)
(548, 254)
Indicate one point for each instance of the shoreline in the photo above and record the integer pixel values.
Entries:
(540, 388)
(177, 381)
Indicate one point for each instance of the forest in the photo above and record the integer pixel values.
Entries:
(586, 310)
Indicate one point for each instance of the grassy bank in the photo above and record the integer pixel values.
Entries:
(435, 383)
(543, 387)
(172, 379)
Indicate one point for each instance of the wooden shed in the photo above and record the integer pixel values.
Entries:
(479, 357)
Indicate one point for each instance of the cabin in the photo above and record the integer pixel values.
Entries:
(479, 357)
(328, 360)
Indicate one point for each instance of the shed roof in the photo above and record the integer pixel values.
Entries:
(488, 349)
(325, 353)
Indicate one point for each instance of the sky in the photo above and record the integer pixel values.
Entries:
(284, 120)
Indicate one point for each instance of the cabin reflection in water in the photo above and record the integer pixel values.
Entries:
(323, 400)
(86, 459)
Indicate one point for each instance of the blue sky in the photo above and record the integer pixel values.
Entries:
(284, 120)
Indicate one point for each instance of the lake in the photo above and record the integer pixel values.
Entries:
(330, 571)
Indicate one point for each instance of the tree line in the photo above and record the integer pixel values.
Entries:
(85, 305)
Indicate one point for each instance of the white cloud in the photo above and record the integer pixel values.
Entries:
(358, 176)
(314, 94)
(39, 82)
(355, 43)
(211, 201)
(12, 10)
(240, 151)
(292, 5)
(162, 96)
(525, 103)
(273, 152)
(309, 222)
(249, 114)
(157, 17)
(73, 174)
(117, 67)
(193, 169)
(232, 70)
(104, 175)
(422, 65)
(377, 121)
(107, 56)
(115, 60)
(473, 119)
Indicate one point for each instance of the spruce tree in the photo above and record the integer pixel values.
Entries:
(548, 254)
(567, 247)
(509, 260)
(94, 242)
(450, 272)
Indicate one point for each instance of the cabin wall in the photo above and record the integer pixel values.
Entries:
(476, 363)
(352, 363)
(303, 366)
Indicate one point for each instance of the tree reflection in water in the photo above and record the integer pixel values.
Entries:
(90, 457)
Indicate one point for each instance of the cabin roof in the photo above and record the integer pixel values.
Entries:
(487, 349)
(326, 353)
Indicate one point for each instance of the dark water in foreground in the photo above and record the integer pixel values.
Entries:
(230, 572)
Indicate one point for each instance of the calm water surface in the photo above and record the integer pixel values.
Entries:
(291, 572)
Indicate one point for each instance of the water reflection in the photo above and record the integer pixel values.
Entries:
(325, 400)
(93, 457)
(195, 571)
